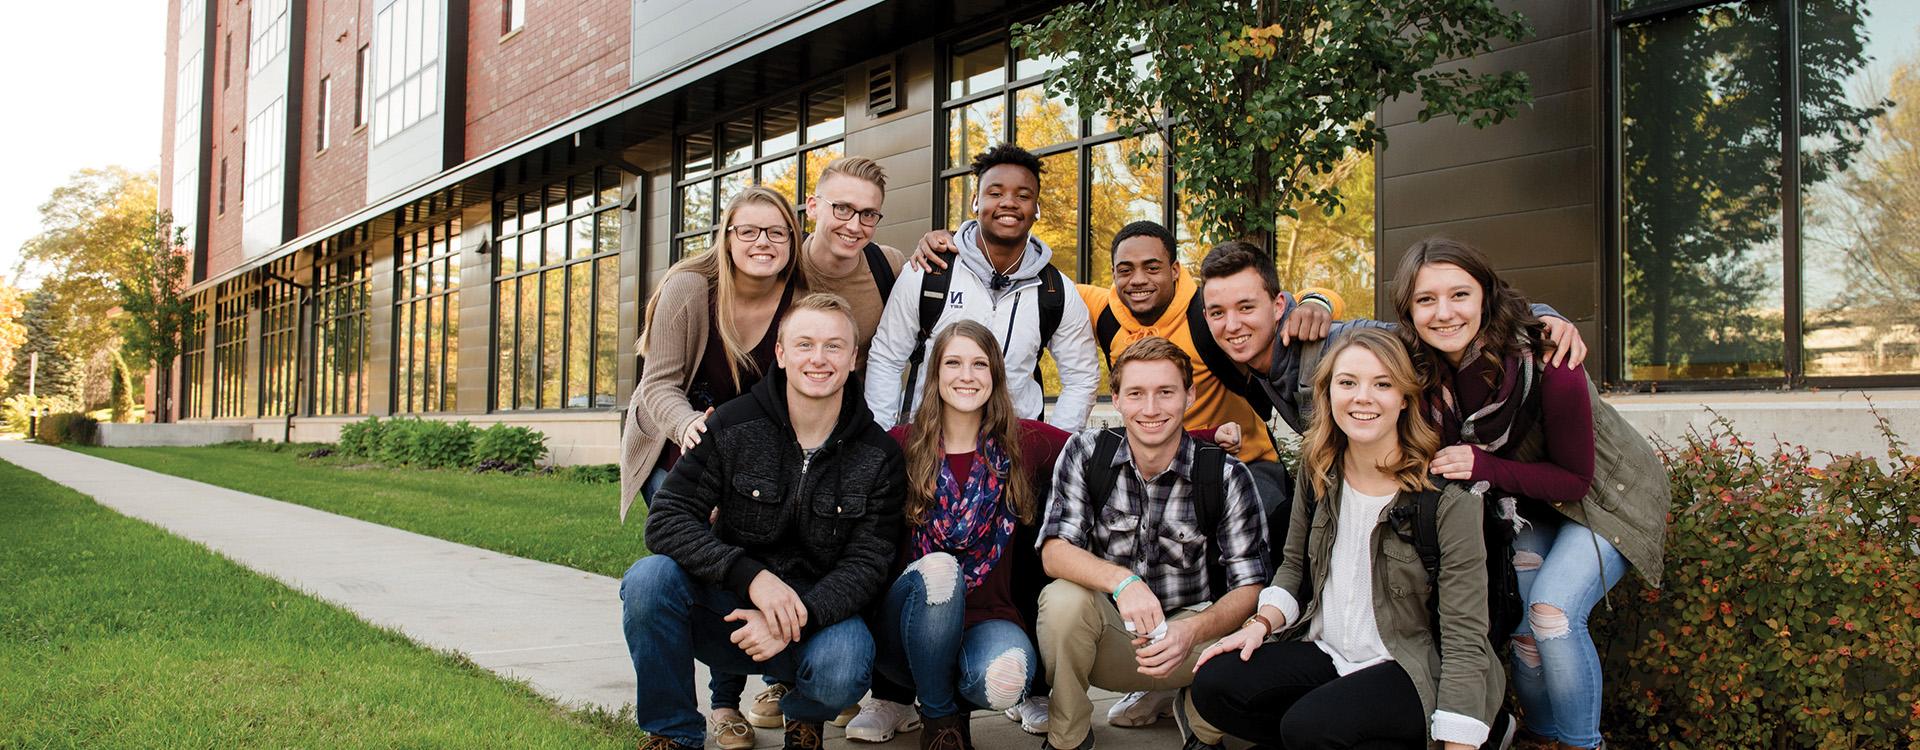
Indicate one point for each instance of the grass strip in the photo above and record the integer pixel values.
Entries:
(116, 634)
(539, 518)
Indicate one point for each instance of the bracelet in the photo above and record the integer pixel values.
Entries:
(1315, 297)
(1263, 621)
(1124, 582)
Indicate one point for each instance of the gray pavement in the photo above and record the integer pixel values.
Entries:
(554, 627)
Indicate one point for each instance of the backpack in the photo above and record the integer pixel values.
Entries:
(882, 270)
(933, 301)
(1504, 606)
(1209, 494)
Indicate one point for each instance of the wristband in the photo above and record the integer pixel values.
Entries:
(1263, 621)
(1315, 297)
(1124, 582)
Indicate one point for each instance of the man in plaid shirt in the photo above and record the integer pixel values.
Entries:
(1130, 610)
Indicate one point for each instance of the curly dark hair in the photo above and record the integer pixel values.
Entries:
(1006, 153)
(1504, 313)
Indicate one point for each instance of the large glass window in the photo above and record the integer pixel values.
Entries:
(265, 152)
(340, 294)
(784, 145)
(1765, 228)
(279, 337)
(426, 317)
(269, 23)
(230, 347)
(557, 294)
(193, 360)
(406, 41)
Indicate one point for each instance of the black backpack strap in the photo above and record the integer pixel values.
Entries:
(1104, 329)
(933, 301)
(882, 270)
(1053, 305)
(1098, 472)
(1210, 508)
(1426, 541)
(1224, 369)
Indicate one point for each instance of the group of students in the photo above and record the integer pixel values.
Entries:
(850, 488)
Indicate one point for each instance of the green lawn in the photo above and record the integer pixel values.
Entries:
(115, 634)
(540, 518)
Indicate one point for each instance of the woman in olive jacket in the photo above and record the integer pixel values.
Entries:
(1358, 661)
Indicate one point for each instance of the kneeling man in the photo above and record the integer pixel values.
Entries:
(1158, 543)
(808, 490)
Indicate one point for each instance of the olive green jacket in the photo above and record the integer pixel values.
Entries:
(1460, 674)
(1630, 495)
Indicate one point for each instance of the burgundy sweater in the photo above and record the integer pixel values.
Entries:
(1040, 445)
(1566, 416)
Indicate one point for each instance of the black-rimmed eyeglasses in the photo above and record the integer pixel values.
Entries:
(750, 233)
(845, 211)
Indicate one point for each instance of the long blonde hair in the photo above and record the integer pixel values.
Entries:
(1325, 446)
(716, 266)
(925, 452)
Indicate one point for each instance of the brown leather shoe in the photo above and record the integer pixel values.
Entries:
(803, 735)
(661, 742)
(945, 733)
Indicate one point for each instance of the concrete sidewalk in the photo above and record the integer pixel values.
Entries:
(555, 627)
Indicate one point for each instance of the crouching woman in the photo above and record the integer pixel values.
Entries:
(1359, 660)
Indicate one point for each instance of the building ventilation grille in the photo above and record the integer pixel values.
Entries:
(883, 89)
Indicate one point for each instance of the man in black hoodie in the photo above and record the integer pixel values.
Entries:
(808, 490)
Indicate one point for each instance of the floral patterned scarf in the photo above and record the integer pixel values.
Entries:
(968, 520)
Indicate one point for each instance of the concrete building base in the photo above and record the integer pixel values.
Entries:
(173, 433)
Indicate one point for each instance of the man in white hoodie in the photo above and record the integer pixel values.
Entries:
(1002, 278)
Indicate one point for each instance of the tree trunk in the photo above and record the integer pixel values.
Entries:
(162, 392)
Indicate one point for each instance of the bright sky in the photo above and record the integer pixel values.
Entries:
(87, 89)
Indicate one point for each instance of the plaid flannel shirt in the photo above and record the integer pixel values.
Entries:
(1151, 526)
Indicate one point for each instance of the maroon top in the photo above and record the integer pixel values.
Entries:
(1040, 445)
(1566, 417)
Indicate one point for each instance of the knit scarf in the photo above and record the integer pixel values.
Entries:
(1489, 426)
(968, 520)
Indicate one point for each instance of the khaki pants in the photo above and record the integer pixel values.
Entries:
(1082, 643)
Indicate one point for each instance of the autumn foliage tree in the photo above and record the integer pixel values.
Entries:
(1270, 97)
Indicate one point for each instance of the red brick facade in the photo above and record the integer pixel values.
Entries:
(567, 57)
(333, 183)
(229, 102)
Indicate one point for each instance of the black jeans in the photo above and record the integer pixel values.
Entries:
(1289, 696)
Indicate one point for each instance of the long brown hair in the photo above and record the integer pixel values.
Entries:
(925, 452)
(716, 266)
(1325, 446)
(1504, 312)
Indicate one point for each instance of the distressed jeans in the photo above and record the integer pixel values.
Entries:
(1562, 566)
(923, 641)
(671, 619)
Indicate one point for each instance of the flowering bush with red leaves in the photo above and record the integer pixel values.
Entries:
(1791, 613)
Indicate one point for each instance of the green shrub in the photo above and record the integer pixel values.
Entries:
(1790, 615)
(411, 441)
(591, 473)
(362, 439)
(509, 448)
(68, 427)
(15, 410)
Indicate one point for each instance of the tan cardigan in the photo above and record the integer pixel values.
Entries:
(658, 409)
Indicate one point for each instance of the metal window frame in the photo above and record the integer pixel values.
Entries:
(803, 96)
(568, 266)
(409, 257)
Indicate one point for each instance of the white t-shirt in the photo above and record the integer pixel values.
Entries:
(1346, 628)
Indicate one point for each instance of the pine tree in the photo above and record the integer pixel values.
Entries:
(58, 374)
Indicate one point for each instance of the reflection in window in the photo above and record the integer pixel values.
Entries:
(340, 294)
(1860, 211)
(1707, 264)
(193, 359)
(230, 347)
(279, 337)
(556, 295)
(426, 317)
(771, 147)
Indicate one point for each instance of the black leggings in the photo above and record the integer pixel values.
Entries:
(1289, 696)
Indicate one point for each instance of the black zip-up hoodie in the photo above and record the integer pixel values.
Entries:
(826, 527)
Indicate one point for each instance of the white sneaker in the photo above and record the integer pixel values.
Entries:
(880, 720)
(1031, 713)
(1141, 709)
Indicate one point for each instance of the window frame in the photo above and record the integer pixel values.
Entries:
(601, 265)
(441, 256)
(322, 134)
(280, 328)
(802, 98)
(363, 86)
(1617, 369)
(232, 303)
(340, 264)
(513, 17)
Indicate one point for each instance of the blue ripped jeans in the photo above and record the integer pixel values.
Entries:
(671, 619)
(923, 640)
(1557, 677)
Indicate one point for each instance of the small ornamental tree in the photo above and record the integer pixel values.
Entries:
(157, 314)
(1268, 95)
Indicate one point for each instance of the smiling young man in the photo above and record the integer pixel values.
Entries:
(808, 490)
(1144, 527)
(1252, 320)
(840, 255)
(1003, 278)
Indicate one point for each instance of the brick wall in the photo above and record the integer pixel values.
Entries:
(333, 183)
(567, 57)
(169, 100)
(229, 102)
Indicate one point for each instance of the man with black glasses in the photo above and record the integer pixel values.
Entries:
(840, 256)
